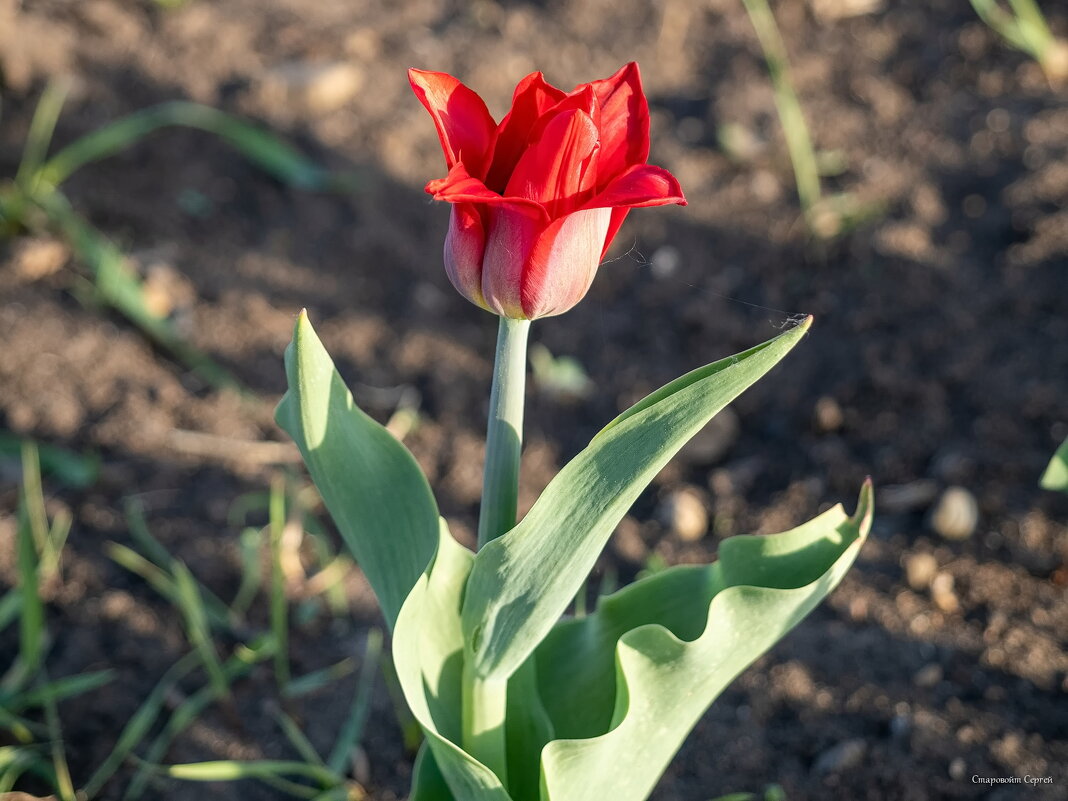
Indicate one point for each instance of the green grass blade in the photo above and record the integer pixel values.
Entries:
(297, 738)
(263, 149)
(310, 682)
(279, 609)
(352, 730)
(60, 689)
(196, 625)
(216, 610)
(119, 287)
(1001, 21)
(64, 787)
(140, 723)
(795, 129)
(1032, 27)
(245, 657)
(156, 577)
(250, 544)
(232, 770)
(21, 729)
(411, 732)
(31, 619)
(71, 469)
(33, 497)
(17, 760)
(43, 125)
(10, 608)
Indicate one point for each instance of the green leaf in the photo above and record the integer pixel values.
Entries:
(1056, 475)
(427, 782)
(428, 654)
(374, 489)
(627, 684)
(523, 581)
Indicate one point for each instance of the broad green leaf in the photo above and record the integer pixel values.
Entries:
(374, 489)
(428, 654)
(427, 782)
(523, 581)
(629, 682)
(1056, 475)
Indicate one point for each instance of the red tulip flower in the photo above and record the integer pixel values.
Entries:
(537, 199)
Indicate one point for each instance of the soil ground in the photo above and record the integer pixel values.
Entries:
(939, 356)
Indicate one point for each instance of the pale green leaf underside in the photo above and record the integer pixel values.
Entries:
(428, 653)
(673, 642)
(1056, 475)
(375, 491)
(523, 581)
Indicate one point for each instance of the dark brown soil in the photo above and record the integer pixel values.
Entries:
(939, 356)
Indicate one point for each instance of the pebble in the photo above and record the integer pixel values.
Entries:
(896, 499)
(842, 757)
(957, 514)
(683, 511)
(664, 262)
(713, 441)
(900, 727)
(943, 595)
(628, 543)
(920, 570)
(828, 414)
(35, 258)
(834, 10)
(319, 87)
(957, 769)
(928, 676)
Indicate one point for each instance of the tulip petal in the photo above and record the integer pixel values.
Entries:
(619, 214)
(533, 270)
(465, 127)
(460, 187)
(532, 98)
(464, 245)
(558, 170)
(624, 122)
(641, 185)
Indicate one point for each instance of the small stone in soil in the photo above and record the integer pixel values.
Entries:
(684, 513)
(920, 570)
(957, 769)
(943, 595)
(828, 413)
(928, 676)
(956, 515)
(842, 757)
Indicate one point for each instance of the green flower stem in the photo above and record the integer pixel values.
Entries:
(484, 701)
(504, 432)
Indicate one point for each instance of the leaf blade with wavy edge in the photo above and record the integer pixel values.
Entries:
(373, 488)
(428, 654)
(760, 588)
(522, 582)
